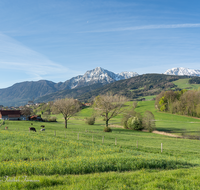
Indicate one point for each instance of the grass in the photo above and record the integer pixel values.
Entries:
(60, 161)
(167, 122)
(149, 97)
(184, 84)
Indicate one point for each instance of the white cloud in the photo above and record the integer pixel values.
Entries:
(16, 56)
(147, 27)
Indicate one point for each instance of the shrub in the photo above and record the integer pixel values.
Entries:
(90, 120)
(126, 116)
(52, 119)
(107, 129)
(135, 123)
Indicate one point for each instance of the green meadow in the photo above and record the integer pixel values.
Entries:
(184, 84)
(84, 157)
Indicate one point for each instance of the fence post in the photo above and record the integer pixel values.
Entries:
(103, 139)
(161, 147)
(55, 132)
(115, 141)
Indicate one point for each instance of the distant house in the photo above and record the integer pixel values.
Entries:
(35, 118)
(87, 104)
(11, 115)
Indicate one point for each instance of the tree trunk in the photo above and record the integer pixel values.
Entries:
(107, 123)
(66, 123)
(107, 119)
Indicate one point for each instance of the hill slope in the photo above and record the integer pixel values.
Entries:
(135, 87)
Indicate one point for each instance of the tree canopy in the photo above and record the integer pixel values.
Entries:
(109, 105)
(67, 107)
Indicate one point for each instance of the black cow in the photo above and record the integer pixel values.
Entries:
(32, 129)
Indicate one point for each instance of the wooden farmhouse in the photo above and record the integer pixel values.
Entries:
(11, 115)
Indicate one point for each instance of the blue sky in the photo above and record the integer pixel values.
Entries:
(59, 39)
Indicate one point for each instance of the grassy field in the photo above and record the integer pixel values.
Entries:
(184, 84)
(84, 157)
(176, 124)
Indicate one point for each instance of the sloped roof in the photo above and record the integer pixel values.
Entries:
(10, 112)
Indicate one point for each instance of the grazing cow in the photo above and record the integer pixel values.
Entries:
(42, 126)
(32, 129)
(31, 123)
(42, 129)
(6, 128)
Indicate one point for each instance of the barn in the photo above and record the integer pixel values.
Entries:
(11, 115)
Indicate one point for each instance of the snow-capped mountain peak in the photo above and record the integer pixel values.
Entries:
(127, 75)
(98, 75)
(182, 71)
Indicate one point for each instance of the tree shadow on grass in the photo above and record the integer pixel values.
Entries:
(170, 130)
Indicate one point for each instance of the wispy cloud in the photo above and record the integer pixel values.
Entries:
(146, 27)
(16, 56)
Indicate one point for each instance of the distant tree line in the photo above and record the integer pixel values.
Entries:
(184, 102)
(194, 80)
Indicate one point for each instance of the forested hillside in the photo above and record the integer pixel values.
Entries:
(133, 88)
(194, 80)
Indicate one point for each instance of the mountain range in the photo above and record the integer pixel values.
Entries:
(21, 93)
(183, 71)
(82, 86)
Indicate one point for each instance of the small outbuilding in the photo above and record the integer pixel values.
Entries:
(35, 118)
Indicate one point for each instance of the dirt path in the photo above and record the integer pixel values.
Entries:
(166, 134)
(156, 132)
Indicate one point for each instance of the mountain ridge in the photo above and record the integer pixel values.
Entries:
(181, 71)
(21, 93)
(132, 88)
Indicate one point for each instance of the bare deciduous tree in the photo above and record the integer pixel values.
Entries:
(149, 121)
(109, 106)
(67, 107)
(26, 111)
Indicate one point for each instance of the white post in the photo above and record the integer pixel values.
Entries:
(55, 133)
(161, 147)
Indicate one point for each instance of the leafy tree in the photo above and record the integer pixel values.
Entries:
(109, 105)
(67, 107)
(184, 102)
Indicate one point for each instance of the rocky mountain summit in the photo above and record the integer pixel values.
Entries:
(100, 75)
(182, 71)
